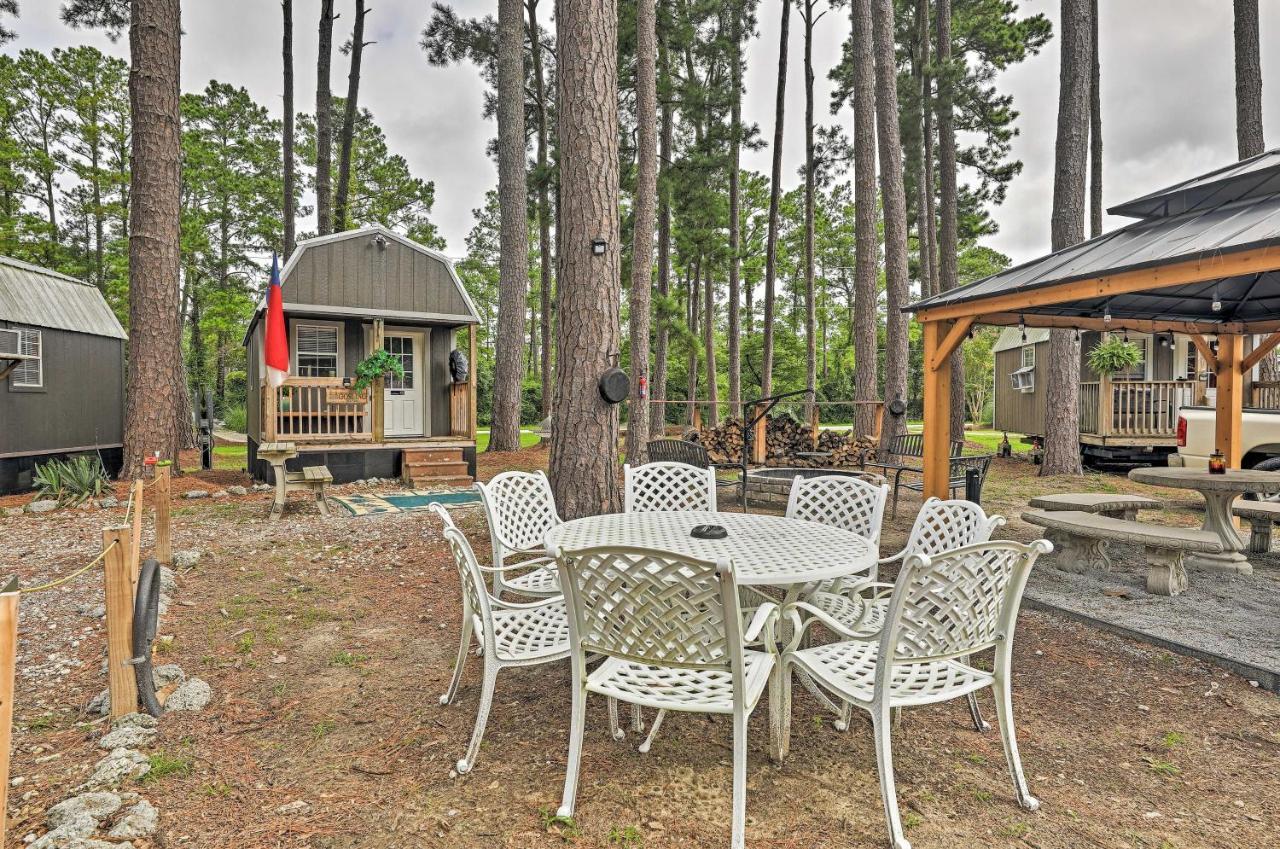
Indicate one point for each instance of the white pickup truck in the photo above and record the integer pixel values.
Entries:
(1259, 430)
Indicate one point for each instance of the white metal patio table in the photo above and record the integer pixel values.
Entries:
(1219, 491)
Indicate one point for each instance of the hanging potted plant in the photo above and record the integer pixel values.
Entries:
(378, 364)
(1114, 355)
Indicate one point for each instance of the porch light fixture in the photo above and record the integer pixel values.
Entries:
(598, 246)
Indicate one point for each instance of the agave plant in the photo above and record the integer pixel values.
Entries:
(72, 481)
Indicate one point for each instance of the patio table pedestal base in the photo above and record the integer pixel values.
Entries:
(1218, 520)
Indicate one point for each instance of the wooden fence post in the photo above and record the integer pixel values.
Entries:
(8, 660)
(135, 537)
(163, 490)
(119, 594)
(760, 442)
(815, 424)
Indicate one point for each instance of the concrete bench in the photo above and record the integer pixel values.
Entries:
(1084, 537)
(1262, 515)
(1115, 505)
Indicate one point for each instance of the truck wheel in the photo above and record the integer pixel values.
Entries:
(1270, 465)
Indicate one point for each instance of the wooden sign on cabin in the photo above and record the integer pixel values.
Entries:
(345, 395)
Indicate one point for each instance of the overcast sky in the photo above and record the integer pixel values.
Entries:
(1167, 79)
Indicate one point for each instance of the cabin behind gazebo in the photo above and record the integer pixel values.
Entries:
(346, 295)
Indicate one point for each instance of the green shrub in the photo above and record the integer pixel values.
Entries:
(72, 481)
(234, 419)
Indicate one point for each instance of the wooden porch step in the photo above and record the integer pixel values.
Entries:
(425, 467)
(430, 481)
(432, 455)
(434, 467)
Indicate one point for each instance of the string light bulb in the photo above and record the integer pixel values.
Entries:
(1022, 327)
(1077, 334)
(1217, 299)
(1106, 313)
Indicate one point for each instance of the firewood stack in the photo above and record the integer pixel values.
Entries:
(788, 440)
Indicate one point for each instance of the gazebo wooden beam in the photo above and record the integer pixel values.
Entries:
(1139, 325)
(1255, 261)
(1202, 345)
(1257, 354)
(949, 343)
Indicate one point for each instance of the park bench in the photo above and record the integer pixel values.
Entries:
(1115, 505)
(898, 458)
(1262, 515)
(957, 478)
(1083, 539)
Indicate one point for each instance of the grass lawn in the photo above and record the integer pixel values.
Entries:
(527, 438)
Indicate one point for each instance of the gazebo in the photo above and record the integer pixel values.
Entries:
(1202, 258)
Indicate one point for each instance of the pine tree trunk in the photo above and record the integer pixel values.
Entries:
(643, 211)
(775, 195)
(1095, 129)
(584, 440)
(155, 385)
(866, 267)
(709, 342)
(810, 304)
(658, 385)
(1062, 384)
(545, 252)
(692, 307)
(1249, 138)
(734, 307)
(926, 224)
(948, 207)
(894, 199)
(513, 266)
(324, 122)
(341, 215)
(290, 212)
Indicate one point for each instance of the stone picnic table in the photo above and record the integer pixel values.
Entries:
(1111, 504)
(1219, 491)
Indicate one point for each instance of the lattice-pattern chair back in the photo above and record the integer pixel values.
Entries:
(678, 451)
(956, 603)
(652, 607)
(841, 501)
(520, 509)
(945, 525)
(475, 598)
(669, 486)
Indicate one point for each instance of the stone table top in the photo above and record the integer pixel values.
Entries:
(1094, 502)
(1234, 480)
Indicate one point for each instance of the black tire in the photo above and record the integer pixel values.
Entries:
(146, 616)
(1269, 465)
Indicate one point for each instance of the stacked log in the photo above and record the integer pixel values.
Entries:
(789, 443)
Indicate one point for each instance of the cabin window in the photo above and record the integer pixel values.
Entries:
(1139, 369)
(1028, 356)
(29, 373)
(317, 347)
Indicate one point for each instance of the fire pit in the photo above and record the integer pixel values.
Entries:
(771, 487)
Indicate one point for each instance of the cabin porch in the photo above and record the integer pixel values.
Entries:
(1145, 412)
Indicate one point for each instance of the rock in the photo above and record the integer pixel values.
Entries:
(136, 720)
(100, 704)
(237, 490)
(97, 806)
(129, 736)
(195, 694)
(93, 611)
(78, 826)
(186, 558)
(108, 502)
(197, 493)
(166, 674)
(139, 821)
(120, 765)
(168, 581)
(262, 487)
(299, 807)
(220, 493)
(162, 604)
(43, 506)
(361, 482)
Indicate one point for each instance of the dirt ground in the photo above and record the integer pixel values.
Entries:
(328, 641)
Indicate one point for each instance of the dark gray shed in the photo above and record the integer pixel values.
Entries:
(62, 366)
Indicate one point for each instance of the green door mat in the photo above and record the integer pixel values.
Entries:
(402, 502)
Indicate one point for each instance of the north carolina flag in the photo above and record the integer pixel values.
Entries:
(276, 349)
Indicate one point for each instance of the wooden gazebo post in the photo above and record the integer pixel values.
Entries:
(1229, 403)
(941, 339)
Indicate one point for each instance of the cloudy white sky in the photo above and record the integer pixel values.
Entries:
(1168, 107)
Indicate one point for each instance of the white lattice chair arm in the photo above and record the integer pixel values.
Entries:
(796, 611)
(503, 604)
(762, 623)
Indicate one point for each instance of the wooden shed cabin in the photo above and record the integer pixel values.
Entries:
(346, 295)
(1143, 420)
(62, 369)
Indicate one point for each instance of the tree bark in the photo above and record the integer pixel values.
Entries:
(643, 212)
(775, 196)
(948, 207)
(709, 342)
(866, 267)
(1249, 138)
(290, 212)
(584, 440)
(545, 251)
(155, 384)
(513, 268)
(693, 306)
(926, 232)
(658, 385)
(1062, 384)
(735, 246)
(341, 214)
(324, 122)
(894, 199)
(810, 301)
(1095, 128)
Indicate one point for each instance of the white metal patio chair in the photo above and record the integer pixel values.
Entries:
(668, 486)
(841, 501)
(670, 632)
(509, 634)
(520, 508)
(939, 526)
(940, 610)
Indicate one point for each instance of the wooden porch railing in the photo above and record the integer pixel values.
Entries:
(314, 409)
(1134, 408)
(1264, 395)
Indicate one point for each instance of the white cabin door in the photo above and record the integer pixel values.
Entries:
(403, 407)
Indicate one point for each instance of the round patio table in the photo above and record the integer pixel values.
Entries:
(1219, 491)
(767, 551)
